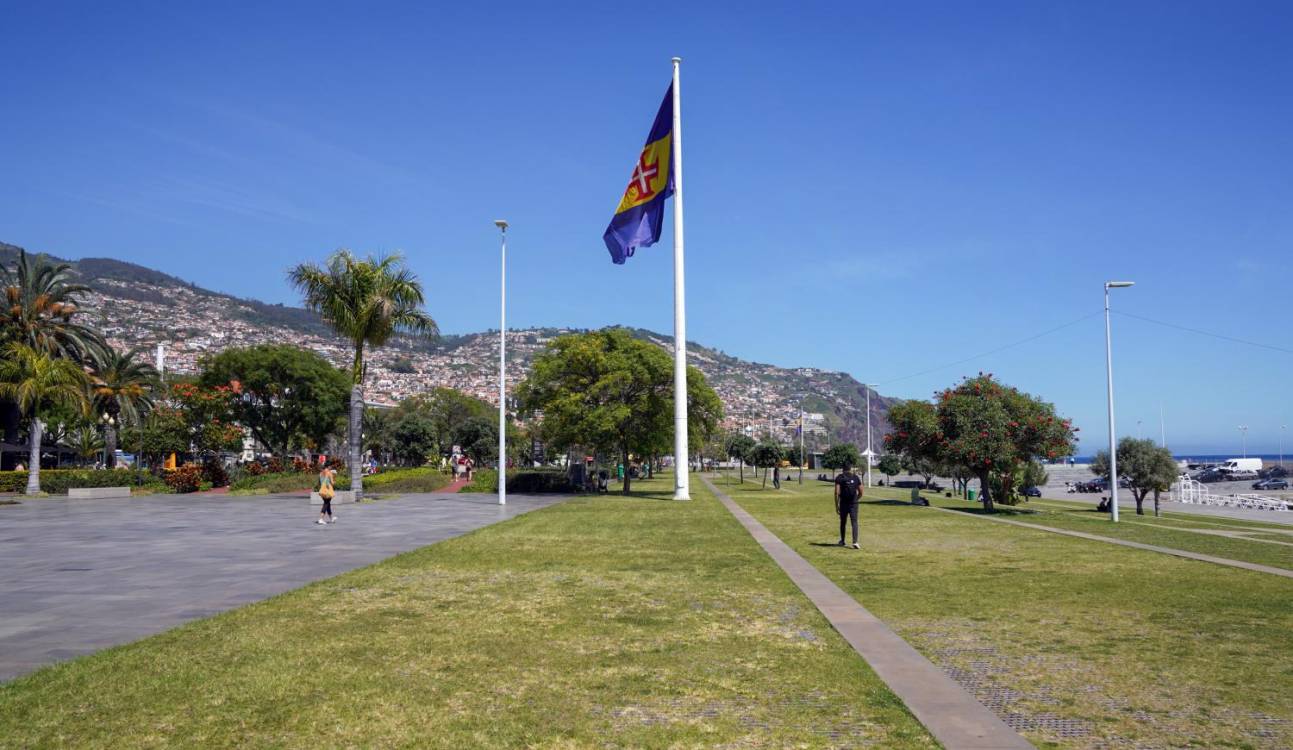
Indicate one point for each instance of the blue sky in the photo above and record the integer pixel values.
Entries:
(951, 177)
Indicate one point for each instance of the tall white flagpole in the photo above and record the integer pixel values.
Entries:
(681, 482)
(502, 365)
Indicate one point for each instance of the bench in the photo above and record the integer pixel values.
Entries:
(339, 496)
(96, 493)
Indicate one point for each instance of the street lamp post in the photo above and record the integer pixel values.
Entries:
(802, 458)
(1113, 439)
(1243, 432)
(867, 387)
(1283, 427)
(502, 364)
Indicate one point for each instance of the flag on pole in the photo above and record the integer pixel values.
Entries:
(638, 218)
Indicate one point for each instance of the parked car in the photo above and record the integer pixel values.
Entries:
(1271, 484)
(1275, 472)
(1032, 492)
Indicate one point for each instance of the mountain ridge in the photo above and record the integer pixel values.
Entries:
(139, 306)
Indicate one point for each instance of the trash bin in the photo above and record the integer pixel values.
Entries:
(970, 495)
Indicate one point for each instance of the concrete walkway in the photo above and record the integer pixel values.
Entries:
(951, 714)
(77, 576)
(1136, 545)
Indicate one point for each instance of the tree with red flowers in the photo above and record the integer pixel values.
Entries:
(915, 437)
(993, 430)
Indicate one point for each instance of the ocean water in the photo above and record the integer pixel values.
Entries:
(1267, 458)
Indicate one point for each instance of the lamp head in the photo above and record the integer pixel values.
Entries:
(501, 224)
(1118, 284)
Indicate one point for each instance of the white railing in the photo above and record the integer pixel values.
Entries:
(1194, 492)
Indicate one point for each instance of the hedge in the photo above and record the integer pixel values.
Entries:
(59, 481)
(522, 482)
(422, 479)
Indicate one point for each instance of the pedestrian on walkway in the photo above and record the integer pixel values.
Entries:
(326, 492)
(848, 490)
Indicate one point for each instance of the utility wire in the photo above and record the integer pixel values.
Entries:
(994, 351)
(1203, 333)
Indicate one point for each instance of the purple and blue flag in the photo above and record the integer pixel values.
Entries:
(640, 214)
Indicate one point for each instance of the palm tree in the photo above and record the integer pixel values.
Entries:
(121, 386)
(86, 442)
(366, 301)
(35, 381)
(40, 307)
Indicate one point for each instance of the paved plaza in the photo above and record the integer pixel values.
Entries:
(77, 576)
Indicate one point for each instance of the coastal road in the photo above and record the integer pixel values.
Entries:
(77, 576)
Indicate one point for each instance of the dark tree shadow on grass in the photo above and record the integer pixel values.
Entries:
(998, 511)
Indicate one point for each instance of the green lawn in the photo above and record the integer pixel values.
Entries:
(1189, 533)
(1113, 647)
(601, 622)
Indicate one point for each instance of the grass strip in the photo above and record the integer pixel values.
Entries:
(1143, 529)
(599, 622)
(1077, 644)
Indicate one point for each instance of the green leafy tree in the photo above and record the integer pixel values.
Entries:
(478, 438)
(367, 302)
(765, 456)
(207, 417)
(606, 390)
(122, 386)
(890, 465)
(840, 455)
(413, 438)
(36, 381)
(1146, 466)
(1033, 474)
(704, 411)
(739, 446)
(992, 429)
(286, 396)
(164, 431)
(448, 410)
(915, 437)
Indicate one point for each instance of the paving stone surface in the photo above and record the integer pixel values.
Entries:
(77, 576)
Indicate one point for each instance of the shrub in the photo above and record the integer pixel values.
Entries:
(187, 478)
(287, 481)
(253, 469)
(58, 481)
(423, 479)
(213, 473)
(524, 482)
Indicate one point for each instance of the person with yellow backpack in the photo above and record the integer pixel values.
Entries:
(326, 491)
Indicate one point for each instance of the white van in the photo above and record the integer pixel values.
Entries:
(1242, 465)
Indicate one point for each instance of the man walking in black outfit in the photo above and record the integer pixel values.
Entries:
(848, 489)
